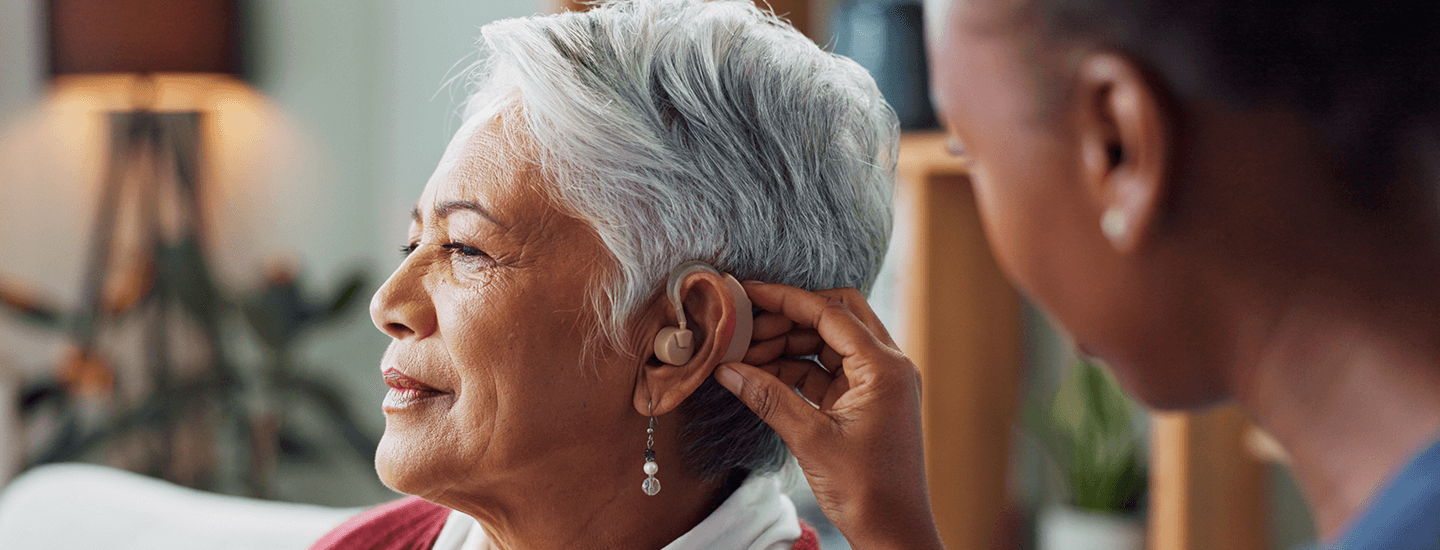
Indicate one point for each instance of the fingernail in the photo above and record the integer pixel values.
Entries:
(729, 378)
(753, 282)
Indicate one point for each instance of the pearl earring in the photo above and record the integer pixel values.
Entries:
(651, 486)
(1114, 223)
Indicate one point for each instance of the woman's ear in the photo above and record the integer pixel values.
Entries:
(711, 318)
(1125, 141)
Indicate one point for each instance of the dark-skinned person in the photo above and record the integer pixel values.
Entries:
(1227, 201)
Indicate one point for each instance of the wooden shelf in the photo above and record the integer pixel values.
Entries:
(1207, 490)
(962, 328)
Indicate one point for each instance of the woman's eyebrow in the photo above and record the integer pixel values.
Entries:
(444, 209)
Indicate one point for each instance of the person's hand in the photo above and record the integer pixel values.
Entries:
(858, 437)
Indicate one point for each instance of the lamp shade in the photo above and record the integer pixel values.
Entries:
(144, 36)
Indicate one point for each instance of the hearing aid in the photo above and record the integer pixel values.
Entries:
(675, 345)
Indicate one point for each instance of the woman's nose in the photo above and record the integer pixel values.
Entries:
(403, 308)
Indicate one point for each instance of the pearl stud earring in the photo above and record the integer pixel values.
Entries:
(651, 486)
(1114, 224)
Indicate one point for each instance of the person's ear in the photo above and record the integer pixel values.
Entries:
(711, 313)
(1126, 146)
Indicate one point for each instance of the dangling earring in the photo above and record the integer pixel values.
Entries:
(1114, 223)
(651, 485)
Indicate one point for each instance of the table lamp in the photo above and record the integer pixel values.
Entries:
(151, 90)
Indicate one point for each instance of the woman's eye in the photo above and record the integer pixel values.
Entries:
(407, 249)
(464, 249)
(469, 256)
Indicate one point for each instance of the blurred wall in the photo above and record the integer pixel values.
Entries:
(19, 85)
(20, 67)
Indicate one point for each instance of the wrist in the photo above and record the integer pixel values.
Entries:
(893, 519)
(896, 541)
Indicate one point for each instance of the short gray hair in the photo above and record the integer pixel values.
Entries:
(693, 130)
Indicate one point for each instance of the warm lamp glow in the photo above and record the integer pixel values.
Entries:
(160, 92)
(52, 163)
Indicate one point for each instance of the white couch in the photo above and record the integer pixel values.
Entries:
(81, 506)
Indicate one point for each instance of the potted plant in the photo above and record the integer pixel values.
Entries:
(1088, 430)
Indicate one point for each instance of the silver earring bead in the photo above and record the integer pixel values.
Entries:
(1114, 223)
(651, 486)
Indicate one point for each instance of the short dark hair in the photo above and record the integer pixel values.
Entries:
(1366, 74)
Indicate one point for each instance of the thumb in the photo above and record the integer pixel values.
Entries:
(791, 416)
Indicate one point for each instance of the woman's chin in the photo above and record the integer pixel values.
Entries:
(402, 464)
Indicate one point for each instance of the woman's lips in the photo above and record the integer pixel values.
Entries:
(405, 391)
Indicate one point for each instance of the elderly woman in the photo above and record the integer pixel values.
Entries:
(599, 151)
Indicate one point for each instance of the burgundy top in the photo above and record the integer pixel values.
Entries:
(406, 524)
(414, 523)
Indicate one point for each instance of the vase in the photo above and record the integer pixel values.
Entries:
(1070, 528)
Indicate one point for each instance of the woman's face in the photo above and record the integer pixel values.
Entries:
(489, 310)
(1037, 220)
(1042, 220)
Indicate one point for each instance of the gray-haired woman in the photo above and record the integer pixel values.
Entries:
(599, 151)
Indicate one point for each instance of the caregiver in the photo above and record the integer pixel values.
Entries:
(1225, 200)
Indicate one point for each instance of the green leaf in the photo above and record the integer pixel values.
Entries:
(1088, 433)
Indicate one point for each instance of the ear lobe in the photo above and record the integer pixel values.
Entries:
(712, 320)
(1125, 147)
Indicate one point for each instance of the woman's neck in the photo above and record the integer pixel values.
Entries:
(1351, 390)
(586, 511)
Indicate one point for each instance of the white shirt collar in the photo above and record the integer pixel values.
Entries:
(757, 516)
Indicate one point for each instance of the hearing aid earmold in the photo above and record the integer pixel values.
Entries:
(675, 345)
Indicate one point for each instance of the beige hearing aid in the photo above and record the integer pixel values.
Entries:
(675, 345)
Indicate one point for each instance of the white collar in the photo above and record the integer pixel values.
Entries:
(757, 516)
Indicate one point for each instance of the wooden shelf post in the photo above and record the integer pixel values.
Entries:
(962, 328)
(1207, 490)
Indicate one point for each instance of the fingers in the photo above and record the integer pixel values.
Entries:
(860, 307)
(798, 342)
(803, 375)
(829, 315)
(797, 421)
(769, 325)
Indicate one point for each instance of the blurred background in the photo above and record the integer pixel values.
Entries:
(190, 231)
